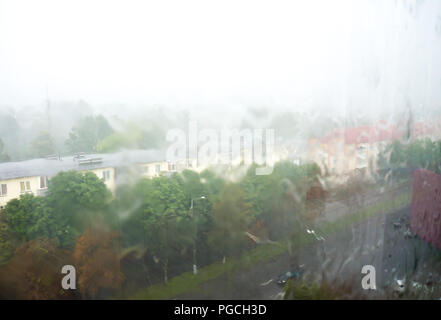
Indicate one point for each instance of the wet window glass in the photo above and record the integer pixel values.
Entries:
(257, 150)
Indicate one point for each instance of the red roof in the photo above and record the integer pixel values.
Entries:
(365, 134)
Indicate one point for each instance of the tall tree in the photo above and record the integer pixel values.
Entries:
(30, 217)
(166, 220)
(77, 199)
(42, 145)
(232, 216)
(96, 256)
(199, 200)
(86, 134)
(35, 272)
(3, 156)
(278, 199)
(6, 241)
(12, 136)
(397, 154)
(129, 203)
(132, 136)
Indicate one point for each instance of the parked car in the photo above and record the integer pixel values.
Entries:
(283, 278)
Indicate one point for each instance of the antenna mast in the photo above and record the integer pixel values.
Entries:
(48, 109)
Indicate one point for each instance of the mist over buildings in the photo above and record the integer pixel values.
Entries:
(114, 159)
(227, 63)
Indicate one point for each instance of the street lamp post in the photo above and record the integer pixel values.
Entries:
(195, 268)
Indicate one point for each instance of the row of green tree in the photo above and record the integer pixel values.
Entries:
(90, 134)
(420, 153)
(174, 222)
(94, 134)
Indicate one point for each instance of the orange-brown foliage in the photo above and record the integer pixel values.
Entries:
(35, 272)
(97, 262)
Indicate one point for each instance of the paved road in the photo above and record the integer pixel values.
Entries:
(379, 241)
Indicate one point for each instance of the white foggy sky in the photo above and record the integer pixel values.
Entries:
(345, 54)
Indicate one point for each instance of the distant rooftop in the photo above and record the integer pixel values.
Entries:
(364, 134)
(50, 167)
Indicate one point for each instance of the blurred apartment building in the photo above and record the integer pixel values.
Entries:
(345, 150)
(33, 176)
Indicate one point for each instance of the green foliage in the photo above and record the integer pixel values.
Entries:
(34, 272)
(166, 198)
(6, 243)
(131, 137)
(74, 200)
(3, 156)
(203, 188)
(30, 217)
(278, 198)
(213, 184)
(231, 216)
(153, 137)
(398, 154)
(192, 185)
(194, 188)
(77, 199)
(156, 212)
(86, 134)
(128, 205)
(259, 192)
(42, 145)
(115, 142)
(299, 290)
(418, 154)
(158, 216)
(312, 170)
(76, 189)
(187, 282)
(11, 138)
(425, 154)
(166, 219)
(382, 160)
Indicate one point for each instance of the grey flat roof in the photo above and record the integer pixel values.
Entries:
(46, 167)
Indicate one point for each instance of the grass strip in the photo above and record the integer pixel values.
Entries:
(188, 282)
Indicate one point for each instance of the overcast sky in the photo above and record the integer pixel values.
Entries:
(346, 55)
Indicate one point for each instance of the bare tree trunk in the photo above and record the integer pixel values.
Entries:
(146, 271)
(194, 257)
(165, 269)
